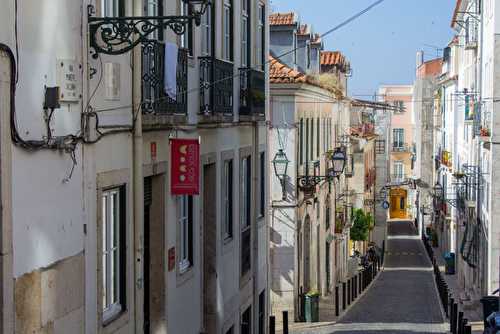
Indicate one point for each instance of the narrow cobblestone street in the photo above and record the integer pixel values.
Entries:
(403, 299)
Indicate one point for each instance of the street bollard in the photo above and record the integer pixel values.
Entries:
(349, 291)
(468, 329)
(460, 322)
(285, 322)
(360, 289)
(455, 318)
(272, 324)
(337, 304)
(446, 293)
(343, 295)
(451, 312)
(464, 324)
(355, 287)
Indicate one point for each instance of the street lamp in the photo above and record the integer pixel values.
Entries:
(280, 163)
(338, 161)
(118, 35)
(338, 158)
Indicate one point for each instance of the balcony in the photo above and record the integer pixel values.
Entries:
(252, 92)
(398, 147)
(216, 87)
(154, 99)
(399, 178)
(363, 130)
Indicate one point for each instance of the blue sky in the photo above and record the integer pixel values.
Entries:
(381, 44)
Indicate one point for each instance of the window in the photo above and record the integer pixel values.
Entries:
(246, 321)
(227, 42)
(245, 34)
(113, 253)
(246, 202)
(327, 214)
(111, 8)
(187, 37)
(186, 232)
(262, 184)
(317, 139)
(380, 146)
(301, 141)
(398, 170)
(228, 199)
(307, 141)
(398, 138)
(261, 36)
(262, 312)
(400, 105)
(206, 26)
(311, 149)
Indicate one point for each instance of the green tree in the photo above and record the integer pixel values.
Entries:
(361, 225)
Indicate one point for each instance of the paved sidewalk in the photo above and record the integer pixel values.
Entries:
(403, 299)
(473, 313)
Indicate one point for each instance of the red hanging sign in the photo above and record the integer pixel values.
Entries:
(185, 168)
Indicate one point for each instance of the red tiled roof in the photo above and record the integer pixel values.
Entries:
(282, 19)
(280, 73)
(329, 58)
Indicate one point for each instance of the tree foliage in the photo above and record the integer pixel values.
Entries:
(361, 226)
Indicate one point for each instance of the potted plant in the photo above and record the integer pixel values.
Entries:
(484, 132)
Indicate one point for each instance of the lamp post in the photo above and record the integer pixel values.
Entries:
(338, 161)
(280, 163)
(118, 35)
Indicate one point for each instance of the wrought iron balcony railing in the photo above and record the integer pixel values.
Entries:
(154, 98)
(252, 92)
(401, 147)
(399, 177)
(216, 86)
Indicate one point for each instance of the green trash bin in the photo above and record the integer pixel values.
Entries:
(312, 307)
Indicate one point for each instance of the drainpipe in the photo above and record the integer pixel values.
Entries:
(138, 182)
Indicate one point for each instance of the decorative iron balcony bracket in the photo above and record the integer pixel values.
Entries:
(118, 35)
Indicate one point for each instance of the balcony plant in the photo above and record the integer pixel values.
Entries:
(484, 131)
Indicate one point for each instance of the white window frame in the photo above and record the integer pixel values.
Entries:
(245, 210)
(184, 221)
(227, 199)
(227, 33)
(245, 61)
(112, 305)
(184, 11)
(399, 137)
(206, 28)
(110, 8)
(260, 33)
(399, 170)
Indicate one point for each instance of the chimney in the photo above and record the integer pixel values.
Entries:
(420, 58)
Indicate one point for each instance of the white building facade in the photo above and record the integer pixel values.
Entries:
(93, 241)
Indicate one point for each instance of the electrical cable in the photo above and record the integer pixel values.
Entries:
(235, 76)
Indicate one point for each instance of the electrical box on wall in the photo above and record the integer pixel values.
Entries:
(112, 80)
(69, 80)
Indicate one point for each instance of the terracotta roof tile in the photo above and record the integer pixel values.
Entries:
(282, 19)
(330, 58)
(280, 73)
